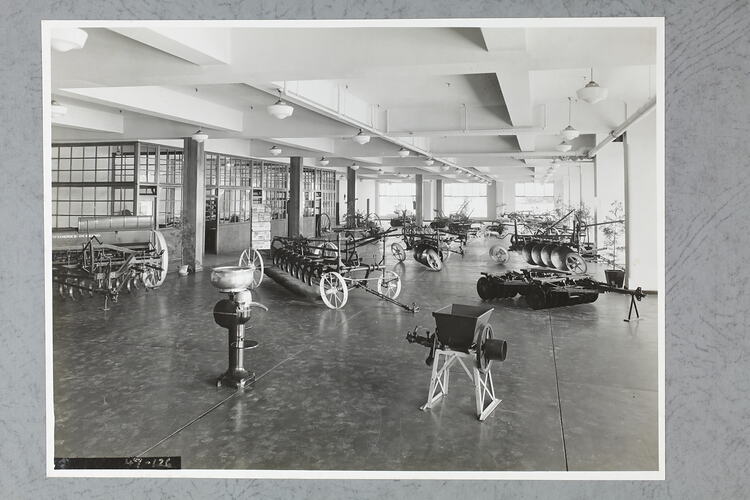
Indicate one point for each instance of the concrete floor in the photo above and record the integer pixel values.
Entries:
(341, 390)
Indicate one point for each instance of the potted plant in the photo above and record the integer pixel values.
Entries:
(614, 233)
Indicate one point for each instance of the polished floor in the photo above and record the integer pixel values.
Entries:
(341, 390)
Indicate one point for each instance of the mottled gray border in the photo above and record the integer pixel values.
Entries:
(706, 243)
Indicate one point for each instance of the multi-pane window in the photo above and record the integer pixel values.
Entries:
(275, 189)
(468, 198)
(535, 197)
(328, 192)
(91, 180)
(235, 193)
(169, 206)
(395, 197)
(147, 163)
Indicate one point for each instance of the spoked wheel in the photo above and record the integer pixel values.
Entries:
(333, 290)
(433, 259)
(251, 259)
(575, 263)
(389, 284)
(499, 254)
(157, 276)
(398, 251)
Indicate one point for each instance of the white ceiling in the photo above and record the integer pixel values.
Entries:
(479, 98)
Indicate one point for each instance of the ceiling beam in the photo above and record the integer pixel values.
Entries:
(163, 103)
(83, 118)
(205, 46)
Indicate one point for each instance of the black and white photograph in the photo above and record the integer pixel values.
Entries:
(426, 249)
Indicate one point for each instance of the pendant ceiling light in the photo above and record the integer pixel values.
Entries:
(429, 161)
(280, 109)
(563, 147)
(403, 153)
(445, 168)
(65, 39)
(323, 161)
(354, 166)
(592, 92)
(275, 150)
(58, 109)
(199, 136)
(569, 133)
(361, 138)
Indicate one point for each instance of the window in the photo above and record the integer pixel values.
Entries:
(169, 205)
(395, 197)
(328, 192)
(147, 163)
(275, 186)
(535, 197)
(91, 180)
(228, 180)
(310, 192)
(469, 198)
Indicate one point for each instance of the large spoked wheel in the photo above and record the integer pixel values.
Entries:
(499, 254)
(575, 263)
(398, 251)
(484, 288)
(333, 290)
(251, 258)
(433, 259)
(156, 277)
(325, 223)
(389, 284)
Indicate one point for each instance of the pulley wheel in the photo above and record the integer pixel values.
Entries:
(536, 297)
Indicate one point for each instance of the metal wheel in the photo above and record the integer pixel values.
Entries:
(526, 251)
(482, 362)
(159, 275)
(333, 290)
(499, 254)
(484, 288)
(252, 259)
(433, 259)
(536, 254)
(575, 263)
(389, 284)
(546, 254)
(325, 223)
(398, 251)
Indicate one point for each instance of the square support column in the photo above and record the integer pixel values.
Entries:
(351, 193)
(294, 207)
(439, 195)
(419, 216)
(492, 201)
(193, 204)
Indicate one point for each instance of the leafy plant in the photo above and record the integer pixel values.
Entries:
(614, 233)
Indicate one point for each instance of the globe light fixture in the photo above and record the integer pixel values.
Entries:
(58, 109)
(361, 138)
(354, 167)
(429, 161)
(569, 133)
(323, 161)
(592, 92)
(563, 147)
(403, 153)
(275, 150)
(280, 109)
(199, 136)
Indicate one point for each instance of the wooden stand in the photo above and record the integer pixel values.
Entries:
(484, 389)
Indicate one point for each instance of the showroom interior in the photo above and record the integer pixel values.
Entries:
(272, 245)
